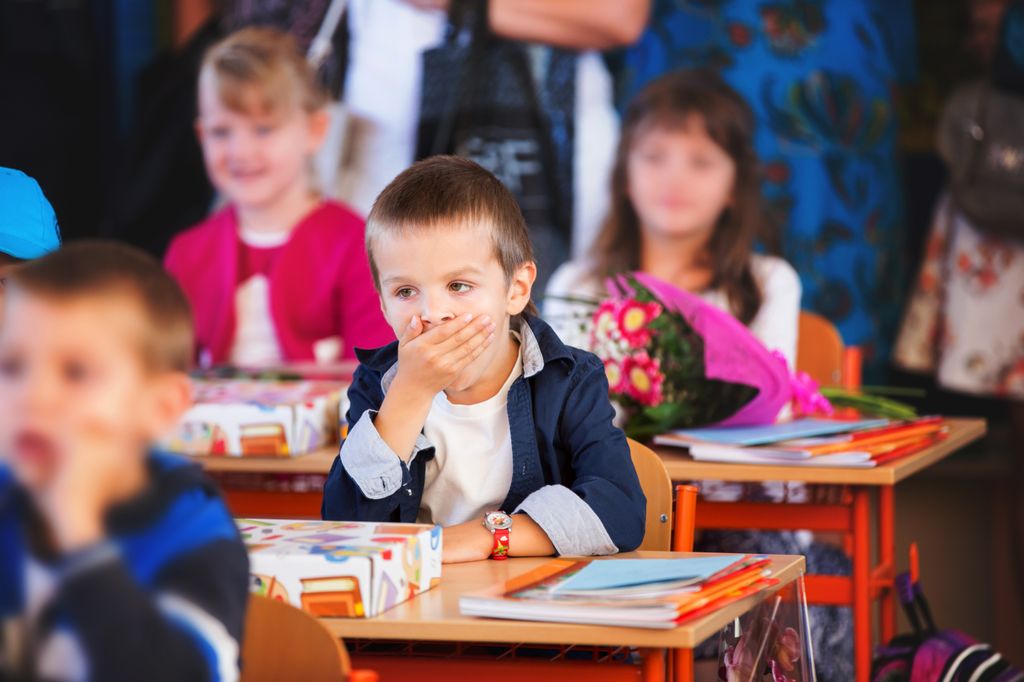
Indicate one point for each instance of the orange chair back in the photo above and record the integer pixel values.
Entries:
(657, 487)
(285, 643)
(820, 350)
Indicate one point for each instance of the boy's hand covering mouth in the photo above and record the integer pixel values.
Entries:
(91, 474)
(430, 360)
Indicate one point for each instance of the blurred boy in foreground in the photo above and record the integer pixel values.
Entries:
(117, 562)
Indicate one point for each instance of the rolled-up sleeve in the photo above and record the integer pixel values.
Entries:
(371, 463)
(569, 522)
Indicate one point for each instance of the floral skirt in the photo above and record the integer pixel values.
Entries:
(965, 318)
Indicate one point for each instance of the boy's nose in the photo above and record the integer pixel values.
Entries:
(435, 313)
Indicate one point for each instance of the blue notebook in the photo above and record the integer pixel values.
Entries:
(610, 575)
(772, 433)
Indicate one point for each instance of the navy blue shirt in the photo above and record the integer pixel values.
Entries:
(571, 467)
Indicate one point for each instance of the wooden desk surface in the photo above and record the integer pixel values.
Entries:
(682, 467)
(318, 462)
(434, 615)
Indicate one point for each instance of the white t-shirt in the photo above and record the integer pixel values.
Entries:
(471, 471)
(382, 97)
(775, 324)
(255, 343)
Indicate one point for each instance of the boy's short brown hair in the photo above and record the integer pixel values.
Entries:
(89, 269)
(445, 191)
(264, 62)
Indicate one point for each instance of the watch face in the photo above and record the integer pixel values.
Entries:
(499, 520)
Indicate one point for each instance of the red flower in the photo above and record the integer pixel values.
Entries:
(642, 379)
(605, 320)
(613, 371)
(633, 320)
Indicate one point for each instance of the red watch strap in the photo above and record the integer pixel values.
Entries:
(501, 542)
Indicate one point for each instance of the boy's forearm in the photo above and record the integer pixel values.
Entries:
(528, 539)
(471, 541)
(401, 417)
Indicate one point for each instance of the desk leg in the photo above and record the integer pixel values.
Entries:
(861, 583)
(682, 665)
(653, 669)
(887, 558)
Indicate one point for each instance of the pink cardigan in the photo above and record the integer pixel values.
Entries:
(320, 285)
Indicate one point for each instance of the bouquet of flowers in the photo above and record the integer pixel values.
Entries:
(674, 361)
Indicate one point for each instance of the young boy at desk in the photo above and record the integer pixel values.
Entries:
(479, 418)
(116, 562)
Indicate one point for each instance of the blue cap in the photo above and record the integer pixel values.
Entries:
(28, 225)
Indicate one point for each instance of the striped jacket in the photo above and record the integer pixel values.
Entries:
(162, 599)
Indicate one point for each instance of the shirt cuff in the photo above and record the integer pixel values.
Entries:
(373, 465)
(571, 525)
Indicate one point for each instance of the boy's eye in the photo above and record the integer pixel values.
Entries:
(264, 129)
(11, 367)
(75, 372)
(459, 287)
(405, 292)
(218, 132)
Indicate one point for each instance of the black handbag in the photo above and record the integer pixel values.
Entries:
(981, 139)
(481, 100)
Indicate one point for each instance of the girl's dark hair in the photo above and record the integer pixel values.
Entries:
(679, 99)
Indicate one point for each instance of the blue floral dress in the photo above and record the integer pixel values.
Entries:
(820, 76)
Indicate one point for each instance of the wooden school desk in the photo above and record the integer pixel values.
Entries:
(434, 617)
(851, 517)
(278, 504)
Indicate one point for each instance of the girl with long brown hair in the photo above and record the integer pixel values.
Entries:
(686, 208)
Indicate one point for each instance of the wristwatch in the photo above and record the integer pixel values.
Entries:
(500, 525)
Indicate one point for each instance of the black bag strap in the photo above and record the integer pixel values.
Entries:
(463, 16)
(472, 16)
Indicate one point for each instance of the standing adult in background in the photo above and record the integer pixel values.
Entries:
(964, 321)
(383, 86)
(820, 76)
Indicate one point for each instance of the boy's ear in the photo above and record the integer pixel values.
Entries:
(319, 123)
(521, 287)
(171, 398)
(199, 130)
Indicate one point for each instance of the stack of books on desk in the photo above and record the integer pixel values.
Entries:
(646, 593)
(811, 442)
